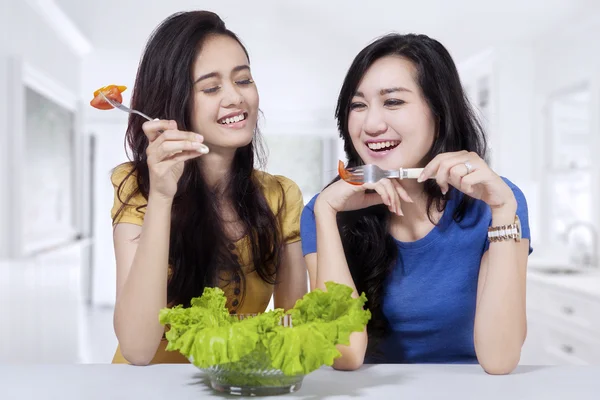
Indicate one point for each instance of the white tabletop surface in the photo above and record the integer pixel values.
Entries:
(382, 382)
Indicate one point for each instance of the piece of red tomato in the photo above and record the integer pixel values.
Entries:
(345, 174)
(113, 92)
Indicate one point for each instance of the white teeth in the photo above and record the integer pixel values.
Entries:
(233, 120)
(382, 145)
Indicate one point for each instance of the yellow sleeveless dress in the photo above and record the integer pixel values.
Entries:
(258, 292)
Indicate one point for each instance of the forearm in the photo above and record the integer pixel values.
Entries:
(331, 259)
(332, 266)
(144, 292)
(500, 322)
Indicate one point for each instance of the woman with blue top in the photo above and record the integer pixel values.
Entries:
(445, 282)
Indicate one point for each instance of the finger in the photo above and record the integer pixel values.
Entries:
(181, 157)
(153, 129)
(170, 148)
(401, 191)
(381, 191)
(175, 135)
(372, 199)
(442, 176)
(456, 174)
(431, 168)
(470, 180)
(391, 190)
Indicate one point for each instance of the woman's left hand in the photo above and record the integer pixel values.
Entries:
(467, 172)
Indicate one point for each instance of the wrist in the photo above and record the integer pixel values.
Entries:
(160, 200)
(323, 209)
(504, 214)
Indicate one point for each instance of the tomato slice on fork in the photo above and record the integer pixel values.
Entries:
(345, 175)
(113, 92)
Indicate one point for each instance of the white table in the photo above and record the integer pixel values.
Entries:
(382, 382)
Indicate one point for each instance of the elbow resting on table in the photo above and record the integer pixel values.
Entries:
(139, 357)
(348, 362)
(501, 366)
(135, 351)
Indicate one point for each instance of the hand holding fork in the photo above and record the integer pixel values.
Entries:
(122, 107)
(168, 149)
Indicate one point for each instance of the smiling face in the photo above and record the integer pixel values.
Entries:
(389, 122)
(225, 96)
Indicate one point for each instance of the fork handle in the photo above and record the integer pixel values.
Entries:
(141, 114)
(405, 173)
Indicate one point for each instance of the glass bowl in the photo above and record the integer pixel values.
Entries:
(253, 374)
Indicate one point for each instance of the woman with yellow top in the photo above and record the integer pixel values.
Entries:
(185, 217)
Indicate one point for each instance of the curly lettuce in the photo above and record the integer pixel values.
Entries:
(208, 336)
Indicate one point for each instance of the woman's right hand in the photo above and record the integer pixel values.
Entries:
(342, 196)
(168, 149)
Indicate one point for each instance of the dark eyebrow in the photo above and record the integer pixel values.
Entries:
(385, 91)
(393, 90)
(211, 75)
(241, 68)
(216, 74)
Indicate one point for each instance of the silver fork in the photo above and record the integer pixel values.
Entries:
(371, 173)
(121, 107)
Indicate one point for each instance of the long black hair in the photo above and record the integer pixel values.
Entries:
(200, 252)
(370, 250)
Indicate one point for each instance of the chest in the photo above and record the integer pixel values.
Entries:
(435, 283)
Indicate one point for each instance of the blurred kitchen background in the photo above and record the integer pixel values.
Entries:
(532, 68)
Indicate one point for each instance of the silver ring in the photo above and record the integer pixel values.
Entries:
(469, 167)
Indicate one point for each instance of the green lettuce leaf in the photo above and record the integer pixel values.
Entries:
(300, 350)
(207, 335)
(334, 313)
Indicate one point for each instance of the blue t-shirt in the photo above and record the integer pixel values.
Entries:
(430, 295)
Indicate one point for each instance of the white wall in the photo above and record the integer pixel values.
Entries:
(568, 59)
(3, 130)
(29, 36)
(25, 35)
(109, 144)
(508, 119)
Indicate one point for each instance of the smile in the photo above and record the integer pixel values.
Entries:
(233, 119)
(383, 146)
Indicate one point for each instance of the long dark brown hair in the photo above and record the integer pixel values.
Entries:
(200, 252)
(371, 252)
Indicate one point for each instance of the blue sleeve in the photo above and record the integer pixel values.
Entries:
(522, 212)
(308, 228)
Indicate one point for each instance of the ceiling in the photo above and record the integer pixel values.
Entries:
(334, 27)
(300, 50)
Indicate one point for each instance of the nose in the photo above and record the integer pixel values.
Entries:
(374, 123)
(232, 96)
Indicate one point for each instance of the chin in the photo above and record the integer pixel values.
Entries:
(233, 139)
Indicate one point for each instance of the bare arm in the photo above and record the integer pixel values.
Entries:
(291, 277)
(142, 266)
(329, 262)
(500, 317)
(142, 269)
(330, 254)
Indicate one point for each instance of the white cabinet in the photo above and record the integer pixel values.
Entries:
(563, 315)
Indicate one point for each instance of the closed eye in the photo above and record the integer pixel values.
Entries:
(245, 82)
(357, 106)
(394, 102)
(211, 90)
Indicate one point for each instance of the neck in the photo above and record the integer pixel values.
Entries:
(417, 213)
(216, 165)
